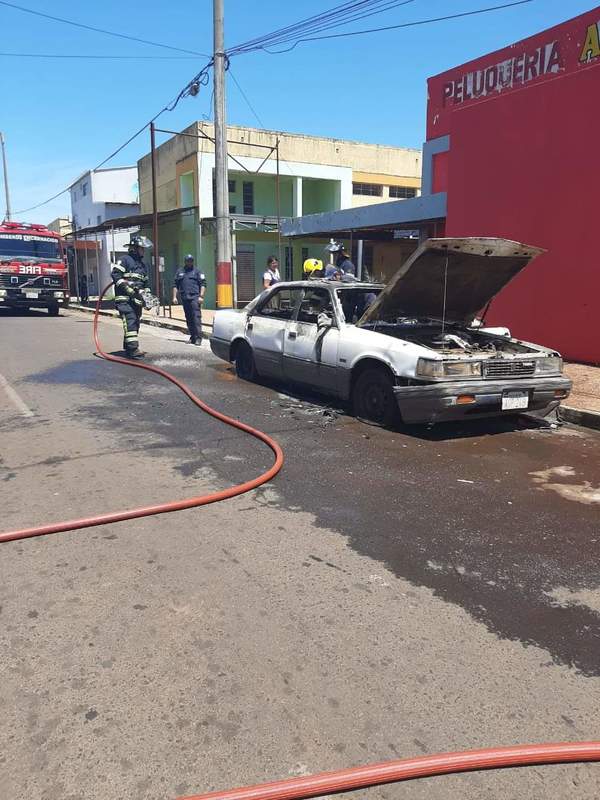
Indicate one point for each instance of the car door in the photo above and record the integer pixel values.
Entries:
(266, 328)
(310, 350)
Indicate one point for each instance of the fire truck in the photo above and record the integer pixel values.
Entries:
(33, 268)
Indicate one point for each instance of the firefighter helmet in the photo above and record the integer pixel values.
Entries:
(139, 241)
(312, 265)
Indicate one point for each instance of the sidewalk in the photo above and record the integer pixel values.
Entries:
(175, 322)
(583, 405)
(581, 408)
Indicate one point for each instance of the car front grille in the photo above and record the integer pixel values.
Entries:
(500, 368)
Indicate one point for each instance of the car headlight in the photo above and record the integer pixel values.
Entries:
(428, 368)
(549, 366)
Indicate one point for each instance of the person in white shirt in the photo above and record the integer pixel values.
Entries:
(271, 275)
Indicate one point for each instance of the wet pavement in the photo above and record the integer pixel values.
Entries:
(390, 593)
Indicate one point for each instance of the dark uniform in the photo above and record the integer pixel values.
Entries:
(129, 277)
(189, 283)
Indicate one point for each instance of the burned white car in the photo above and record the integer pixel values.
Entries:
(415, 347)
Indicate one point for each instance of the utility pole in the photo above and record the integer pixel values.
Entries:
(154, 212)
(224, 271)
(7, 217)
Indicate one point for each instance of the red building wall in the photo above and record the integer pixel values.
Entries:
(524, 163)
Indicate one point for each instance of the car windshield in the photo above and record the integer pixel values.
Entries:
(21, 246)
(356, 301)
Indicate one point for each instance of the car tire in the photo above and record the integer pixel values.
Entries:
(53, 310)
(245, 368)
(373, 398)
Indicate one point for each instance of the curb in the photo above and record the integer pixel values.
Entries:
(172, 326)
(588, 419)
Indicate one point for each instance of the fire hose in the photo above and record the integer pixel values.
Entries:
(176, 505)
(348, 780)
(328, 782)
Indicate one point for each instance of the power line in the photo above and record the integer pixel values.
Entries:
(387, 27)
(99, 30)
(245, 96)
(200, 79)
(339, 15)
(107, 57)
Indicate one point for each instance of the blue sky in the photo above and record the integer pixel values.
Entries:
(63, 116)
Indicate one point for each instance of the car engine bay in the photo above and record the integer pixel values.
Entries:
(449, 339)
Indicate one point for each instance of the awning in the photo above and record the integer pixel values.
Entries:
(376, 221)
(134, 221)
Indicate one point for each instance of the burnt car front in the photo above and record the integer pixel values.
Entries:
(468, 370)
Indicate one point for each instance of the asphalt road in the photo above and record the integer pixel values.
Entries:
(390, 594)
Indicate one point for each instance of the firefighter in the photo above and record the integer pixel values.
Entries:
(130, 277)
(190, 283)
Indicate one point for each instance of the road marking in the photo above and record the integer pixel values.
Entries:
(21, 407)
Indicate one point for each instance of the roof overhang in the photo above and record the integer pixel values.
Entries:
(394, 215)
(134, 220)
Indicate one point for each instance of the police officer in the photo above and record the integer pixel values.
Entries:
(130, 277)
(190, 283)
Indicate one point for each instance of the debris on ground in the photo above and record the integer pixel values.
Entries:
(298, 407)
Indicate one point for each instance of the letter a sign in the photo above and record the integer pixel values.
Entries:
(591, 46)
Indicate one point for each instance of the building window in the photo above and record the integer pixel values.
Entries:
(84, 189)
(89, 221)
(231, 187)
(304, 254)
(248, 197)
(403, 192)
(74, 194)
(232, 209)
(99, 219)
(370, 189)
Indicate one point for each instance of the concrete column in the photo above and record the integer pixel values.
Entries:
(297, 198)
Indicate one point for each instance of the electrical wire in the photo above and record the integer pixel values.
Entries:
(201, 78)
(107, 57)
(459, 15)
(303, 28)
(247, 101)
(99, 30)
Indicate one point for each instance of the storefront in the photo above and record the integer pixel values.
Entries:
(512, 139)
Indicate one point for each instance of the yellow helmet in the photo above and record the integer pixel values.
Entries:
(312, 265)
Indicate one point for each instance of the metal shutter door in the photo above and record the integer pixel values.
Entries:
(245, 273)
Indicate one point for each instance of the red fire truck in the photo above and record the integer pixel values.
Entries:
(33, 268)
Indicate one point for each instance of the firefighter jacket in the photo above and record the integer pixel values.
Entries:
(130, 276)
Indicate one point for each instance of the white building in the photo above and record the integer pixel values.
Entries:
(98, 196)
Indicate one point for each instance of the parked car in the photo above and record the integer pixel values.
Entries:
(415, 346)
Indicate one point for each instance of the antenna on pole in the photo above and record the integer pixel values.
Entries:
(7, 215)
(445, 296)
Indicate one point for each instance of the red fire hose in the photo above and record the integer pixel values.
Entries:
(347, 780)
(176, 505)
(327, 782)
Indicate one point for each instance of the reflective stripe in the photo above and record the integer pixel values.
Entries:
(121, 299)
(120, 281)
(119, 267)
(132, 335)
(137, 275)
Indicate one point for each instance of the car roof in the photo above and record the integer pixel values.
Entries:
(326, 284)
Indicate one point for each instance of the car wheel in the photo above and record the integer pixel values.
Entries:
(53, 310)
(245, 367)
(373, 398)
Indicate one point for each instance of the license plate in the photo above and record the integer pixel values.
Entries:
(32, 294)
(512, 400)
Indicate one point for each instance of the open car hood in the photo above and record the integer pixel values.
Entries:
(473, 271)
